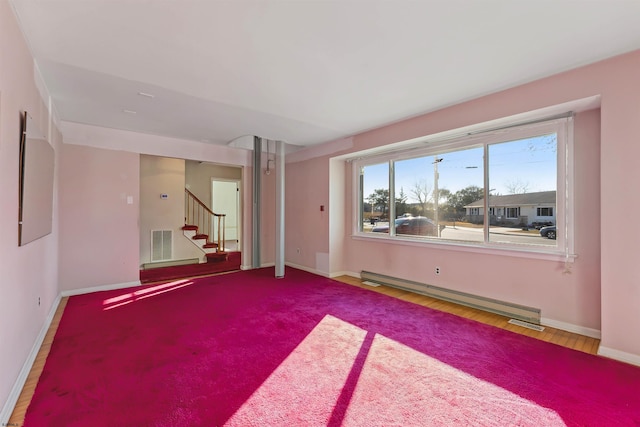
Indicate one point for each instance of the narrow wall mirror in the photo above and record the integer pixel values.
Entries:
(36, 169)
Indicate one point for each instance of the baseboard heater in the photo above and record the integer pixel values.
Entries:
(516, 311)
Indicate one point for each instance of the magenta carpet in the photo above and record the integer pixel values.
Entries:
(245, 349)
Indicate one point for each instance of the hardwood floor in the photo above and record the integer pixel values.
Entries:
(556, 336)
(17, 417)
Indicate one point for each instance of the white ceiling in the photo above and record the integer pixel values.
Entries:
(305, 71)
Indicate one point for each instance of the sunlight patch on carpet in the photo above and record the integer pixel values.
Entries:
(305, 387)
(416, 389)
(392, 385)
(141, 294)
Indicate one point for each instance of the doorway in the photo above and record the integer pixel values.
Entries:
(225, 199)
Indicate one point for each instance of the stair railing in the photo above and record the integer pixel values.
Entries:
(198, 214)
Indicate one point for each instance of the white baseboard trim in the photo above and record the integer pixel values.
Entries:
(569, 327)
(100, 288)
(310, 270)
(264, 265)
(250, 267)
(345, 273)
(621, 356)
(307, 269)
(10, 404)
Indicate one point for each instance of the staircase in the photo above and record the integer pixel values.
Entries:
(200, 224)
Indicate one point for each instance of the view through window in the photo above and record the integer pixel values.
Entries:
(498, 188)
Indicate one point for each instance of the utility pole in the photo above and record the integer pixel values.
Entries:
(436, 194)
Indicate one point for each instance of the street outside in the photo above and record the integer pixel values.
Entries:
(496, 234)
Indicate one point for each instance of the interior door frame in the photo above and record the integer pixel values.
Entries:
(238, 183)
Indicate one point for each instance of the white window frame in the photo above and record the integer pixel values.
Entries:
(508, 213)
(539, 210)
(563, 127)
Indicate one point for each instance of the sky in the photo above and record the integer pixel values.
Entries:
(528, 163)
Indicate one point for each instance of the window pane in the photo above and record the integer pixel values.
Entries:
(435, 190)
(375, 198)
(460, 183)
(414, 197)
(414, 181)
(522, 190)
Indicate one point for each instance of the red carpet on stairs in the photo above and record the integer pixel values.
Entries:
(191, 270)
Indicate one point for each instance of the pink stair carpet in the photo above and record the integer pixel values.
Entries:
(245, 349)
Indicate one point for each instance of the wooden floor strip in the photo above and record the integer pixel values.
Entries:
(17, 417)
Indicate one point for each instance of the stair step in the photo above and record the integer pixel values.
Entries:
(200, 237)
(217, 256)
(190, 227)
(210, 245)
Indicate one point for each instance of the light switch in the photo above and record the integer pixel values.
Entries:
(129, 200)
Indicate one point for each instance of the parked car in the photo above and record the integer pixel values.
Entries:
(539, 224)
(548, 232)
(413, 226)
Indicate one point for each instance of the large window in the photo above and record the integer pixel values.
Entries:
(545, 212)
(440, 193)
(513, 213)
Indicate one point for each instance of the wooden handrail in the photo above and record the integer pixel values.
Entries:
(193, 196)
(198, 214)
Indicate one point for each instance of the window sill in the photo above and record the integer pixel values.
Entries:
(501, 250)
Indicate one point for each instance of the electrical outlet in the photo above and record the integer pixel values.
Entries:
(38, 301)
(437, 271)
(297, 250)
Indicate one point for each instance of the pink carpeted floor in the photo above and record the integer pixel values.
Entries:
(245, 349)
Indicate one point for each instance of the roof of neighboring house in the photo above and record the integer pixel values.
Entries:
(539, 198)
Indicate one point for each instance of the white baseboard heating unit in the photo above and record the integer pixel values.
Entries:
(516, 311)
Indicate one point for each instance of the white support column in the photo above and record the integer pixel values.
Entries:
(279, 166)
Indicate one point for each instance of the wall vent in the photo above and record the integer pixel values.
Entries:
(161, 244)
(516, 311)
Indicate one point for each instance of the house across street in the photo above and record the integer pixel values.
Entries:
(516, 209)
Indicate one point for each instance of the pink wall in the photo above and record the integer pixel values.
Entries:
(307, 227)
(603, 291)
(27, 273)
(100, 234)
(619, 201)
